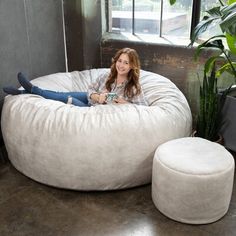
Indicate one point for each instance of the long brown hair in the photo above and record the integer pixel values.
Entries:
(132, 87)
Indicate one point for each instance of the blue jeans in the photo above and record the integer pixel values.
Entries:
(77, 98)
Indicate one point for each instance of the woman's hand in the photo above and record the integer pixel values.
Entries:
(102, 98)
(120, 100)
(99, 98)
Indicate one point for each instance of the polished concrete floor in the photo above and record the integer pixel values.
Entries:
(31, 208)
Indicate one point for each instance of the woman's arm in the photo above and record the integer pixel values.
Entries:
(140, 99)
(120, 100)
(95, 94)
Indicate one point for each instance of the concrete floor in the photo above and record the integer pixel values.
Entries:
(31, 208)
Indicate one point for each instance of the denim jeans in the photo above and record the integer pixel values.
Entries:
(77, 98)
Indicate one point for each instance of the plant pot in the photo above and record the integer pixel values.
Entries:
(228, 129)
(219, 140)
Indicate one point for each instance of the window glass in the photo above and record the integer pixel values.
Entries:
(147, 16)
(214, 28)
(176, 20)
(122, 15)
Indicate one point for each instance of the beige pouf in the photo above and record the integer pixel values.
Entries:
(192, 180)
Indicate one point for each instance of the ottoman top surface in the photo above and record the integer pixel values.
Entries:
(194, 156)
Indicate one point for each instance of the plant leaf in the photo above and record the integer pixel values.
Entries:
(226, 67)
(231, 41)
(229, 8)
(228, 24)
(215, 11)
(172, 2)
(212, 42)
(211, 62)
(230, 1)
(217, 43)
(202, 27)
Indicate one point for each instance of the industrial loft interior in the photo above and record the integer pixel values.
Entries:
(117, 117)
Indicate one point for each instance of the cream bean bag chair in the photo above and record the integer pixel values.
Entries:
(102, 147)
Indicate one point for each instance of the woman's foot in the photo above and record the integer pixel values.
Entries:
(12, 90)
(25, 83)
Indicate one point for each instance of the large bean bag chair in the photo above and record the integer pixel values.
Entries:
(102, 147)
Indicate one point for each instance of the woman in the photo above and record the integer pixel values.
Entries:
(123, 80)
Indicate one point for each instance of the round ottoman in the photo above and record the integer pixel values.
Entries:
(192, 180)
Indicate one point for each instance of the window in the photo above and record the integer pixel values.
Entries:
(153, 17)
(206, 5)
(157, 18)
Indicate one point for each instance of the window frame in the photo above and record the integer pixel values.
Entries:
(196, 10)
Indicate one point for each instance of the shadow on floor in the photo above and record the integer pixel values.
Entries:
(31, 208)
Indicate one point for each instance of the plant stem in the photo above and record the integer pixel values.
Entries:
(221, 3)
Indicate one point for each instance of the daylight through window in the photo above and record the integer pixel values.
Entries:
(157, 17)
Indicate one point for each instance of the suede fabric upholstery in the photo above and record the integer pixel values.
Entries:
(92, 148)
(192, 180)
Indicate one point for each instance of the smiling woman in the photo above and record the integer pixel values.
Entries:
(123, 79)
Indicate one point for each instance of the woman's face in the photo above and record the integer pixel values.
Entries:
(122, 65)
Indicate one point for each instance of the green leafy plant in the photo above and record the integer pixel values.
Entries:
(224, 55)
(210, 120)
(222, 59)
(172, 2)
(210, 117)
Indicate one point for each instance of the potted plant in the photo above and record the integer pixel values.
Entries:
(223, 45)
(209, 119)
(222, 59)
